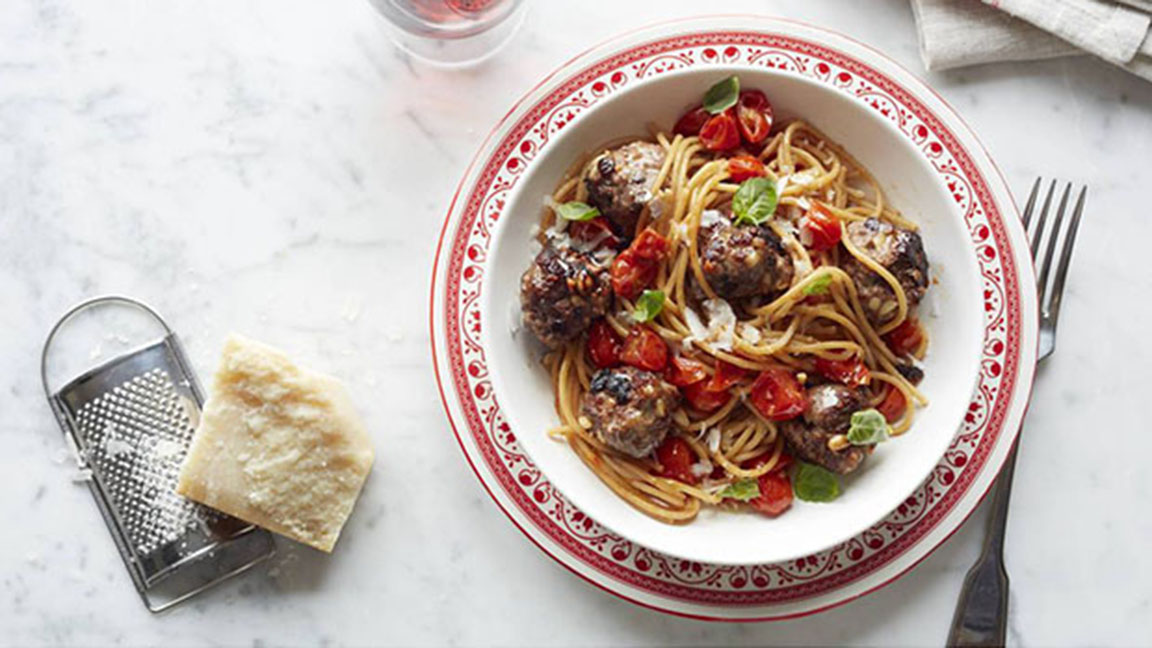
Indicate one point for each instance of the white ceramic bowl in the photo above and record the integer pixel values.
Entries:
(951, 313)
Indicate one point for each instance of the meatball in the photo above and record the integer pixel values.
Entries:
(830, 409)
(630, 409)
(562, 293)
(901, 252)
(622, 181)
(743, 260)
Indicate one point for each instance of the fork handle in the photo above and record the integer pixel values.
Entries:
(982, 611)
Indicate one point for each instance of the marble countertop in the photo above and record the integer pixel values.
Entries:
(280, 169)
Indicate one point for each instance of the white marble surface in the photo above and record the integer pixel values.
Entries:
(278, 169)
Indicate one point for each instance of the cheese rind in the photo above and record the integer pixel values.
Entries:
(278, 446)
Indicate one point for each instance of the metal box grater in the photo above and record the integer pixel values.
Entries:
(129, 423)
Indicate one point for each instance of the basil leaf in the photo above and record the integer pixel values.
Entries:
(819, 285)
(722, 96)
(867, 427)
(743, 490)
(648, 305)
(577, 211)
(755, 201)
(815, 484)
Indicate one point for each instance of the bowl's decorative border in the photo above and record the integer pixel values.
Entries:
(466, 248)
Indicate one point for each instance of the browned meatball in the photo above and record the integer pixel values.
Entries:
(622, 181)
(901, 252)
(630, 409)
(830, 409)
(743, 260)
(561, 293)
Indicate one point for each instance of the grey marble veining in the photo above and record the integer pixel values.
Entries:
(279, 169)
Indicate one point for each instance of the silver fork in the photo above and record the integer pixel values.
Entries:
(982, 611)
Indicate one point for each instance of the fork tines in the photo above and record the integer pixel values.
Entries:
(1044, 236)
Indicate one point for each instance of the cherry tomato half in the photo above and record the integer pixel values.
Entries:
(775, 493)
(683, 371)
(596, 229)
(893, 404)
(720, 132)
(852, 372)
(702, 398)
(692, 121)
(604, 345)
(819, 229)
(645, 349)
(635, 268)
(725, 376)
(676, 459)
(754, 114)
(742, 167)
(906, 338)
(777, 395)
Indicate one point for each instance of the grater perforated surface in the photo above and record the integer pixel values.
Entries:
(135, 436)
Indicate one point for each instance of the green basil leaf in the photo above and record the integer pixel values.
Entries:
(648, 305)
(743, 490)
(867, 427)
(755, 201)
(722, 96)
(815, 484)
(577, 211)
(819, 285)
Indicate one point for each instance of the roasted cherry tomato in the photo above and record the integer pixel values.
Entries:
(604, 345)
(720, 132)
(596, 229)
(683, 371)
(636, 267)
(754, 114)
(742, 167)
(703, 398)
(775, 493)
(725, 376)
(676, 459)
(645, 349)
(777, 395)
(906, 338)
(692, 121)
(819, 229)
(893, 404)
(852, 372)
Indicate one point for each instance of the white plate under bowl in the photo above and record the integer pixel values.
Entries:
(951, 316)
(980, 316)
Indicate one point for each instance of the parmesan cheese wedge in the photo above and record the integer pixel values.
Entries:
(278, 446)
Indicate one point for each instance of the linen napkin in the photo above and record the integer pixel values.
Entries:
(955, 33)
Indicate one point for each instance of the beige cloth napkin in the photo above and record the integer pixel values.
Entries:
(955, 33)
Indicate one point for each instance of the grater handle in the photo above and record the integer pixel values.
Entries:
(61, 416)
(81, 307)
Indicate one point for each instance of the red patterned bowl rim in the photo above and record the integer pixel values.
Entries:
(726, 592)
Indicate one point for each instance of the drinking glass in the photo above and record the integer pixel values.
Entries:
(451, 32)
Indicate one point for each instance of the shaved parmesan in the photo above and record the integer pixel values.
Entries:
(701, 468)
(750, 333)
(721, 323)
(712, 217)
(714, 440)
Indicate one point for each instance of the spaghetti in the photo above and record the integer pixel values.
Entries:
(817, 319)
